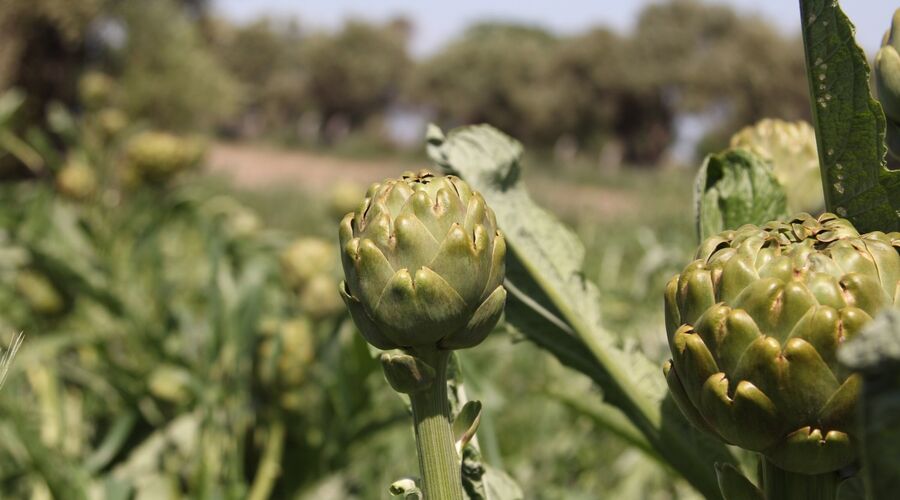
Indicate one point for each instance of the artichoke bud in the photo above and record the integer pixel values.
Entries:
(111, 122)
(156, 157)
(407, 374)
(284, 353)
(95, 89)
(320, 298)
(343, 198)
(887, 71)
(76, 180)
(172, 384)
(754, 324)
(306, 258)
(39, 293)
(423, 264)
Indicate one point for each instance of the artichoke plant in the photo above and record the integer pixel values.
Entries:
(887, 85)
(424, 266)
(754, 324)
(791, 148)
(305, 258)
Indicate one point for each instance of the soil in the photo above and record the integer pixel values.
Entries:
(261, 167)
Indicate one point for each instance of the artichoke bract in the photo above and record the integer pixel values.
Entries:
(423, 263)
(754, 324)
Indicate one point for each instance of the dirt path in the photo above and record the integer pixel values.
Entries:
(259, 167)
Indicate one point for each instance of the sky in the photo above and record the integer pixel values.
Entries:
(437, 22)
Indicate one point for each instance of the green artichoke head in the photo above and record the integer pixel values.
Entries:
(76, 180)
(887, 71)
(423, 264)
(754, 324)
(156, 157)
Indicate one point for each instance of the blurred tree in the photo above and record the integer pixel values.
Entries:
(42, 48)
(495, 73)
(355, 73)
(602, 95)
(266, 59)
(708, 57)
(169, 76)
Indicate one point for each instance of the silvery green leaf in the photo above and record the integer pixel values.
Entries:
(553, 304)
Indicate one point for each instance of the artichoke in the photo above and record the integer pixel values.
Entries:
(319, 298)
(284, 355)
(344, 197)
(76, 180)
(156, 157)
(887, 83)
(95, 89)
(305, 258)
(754, 324)
(791, 148)
(423, 263)
(39, 292)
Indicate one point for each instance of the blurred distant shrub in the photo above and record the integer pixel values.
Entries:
(169, 77)
(42, 47)
(710, 59)
(355, 73)
(264, 57)
(496, 73)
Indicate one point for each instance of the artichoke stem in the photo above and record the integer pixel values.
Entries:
(779, 484)
(438, 460)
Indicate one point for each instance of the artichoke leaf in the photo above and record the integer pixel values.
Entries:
(552, 303)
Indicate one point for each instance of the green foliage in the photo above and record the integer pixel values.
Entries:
(174, 356)
(849, 123)
(736, 188)
(734, 485)
(876, 354)
(169, 77)
(887, 85)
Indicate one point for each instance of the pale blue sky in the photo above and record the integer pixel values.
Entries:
(438, 21)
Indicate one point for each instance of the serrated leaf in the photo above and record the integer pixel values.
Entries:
(875, 353)
(734, 188)
(552, 303)
(850, 124)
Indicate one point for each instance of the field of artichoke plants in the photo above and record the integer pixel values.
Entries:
(443, 335)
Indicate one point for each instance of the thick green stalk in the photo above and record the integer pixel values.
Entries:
(438, 460)
(779, 484)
